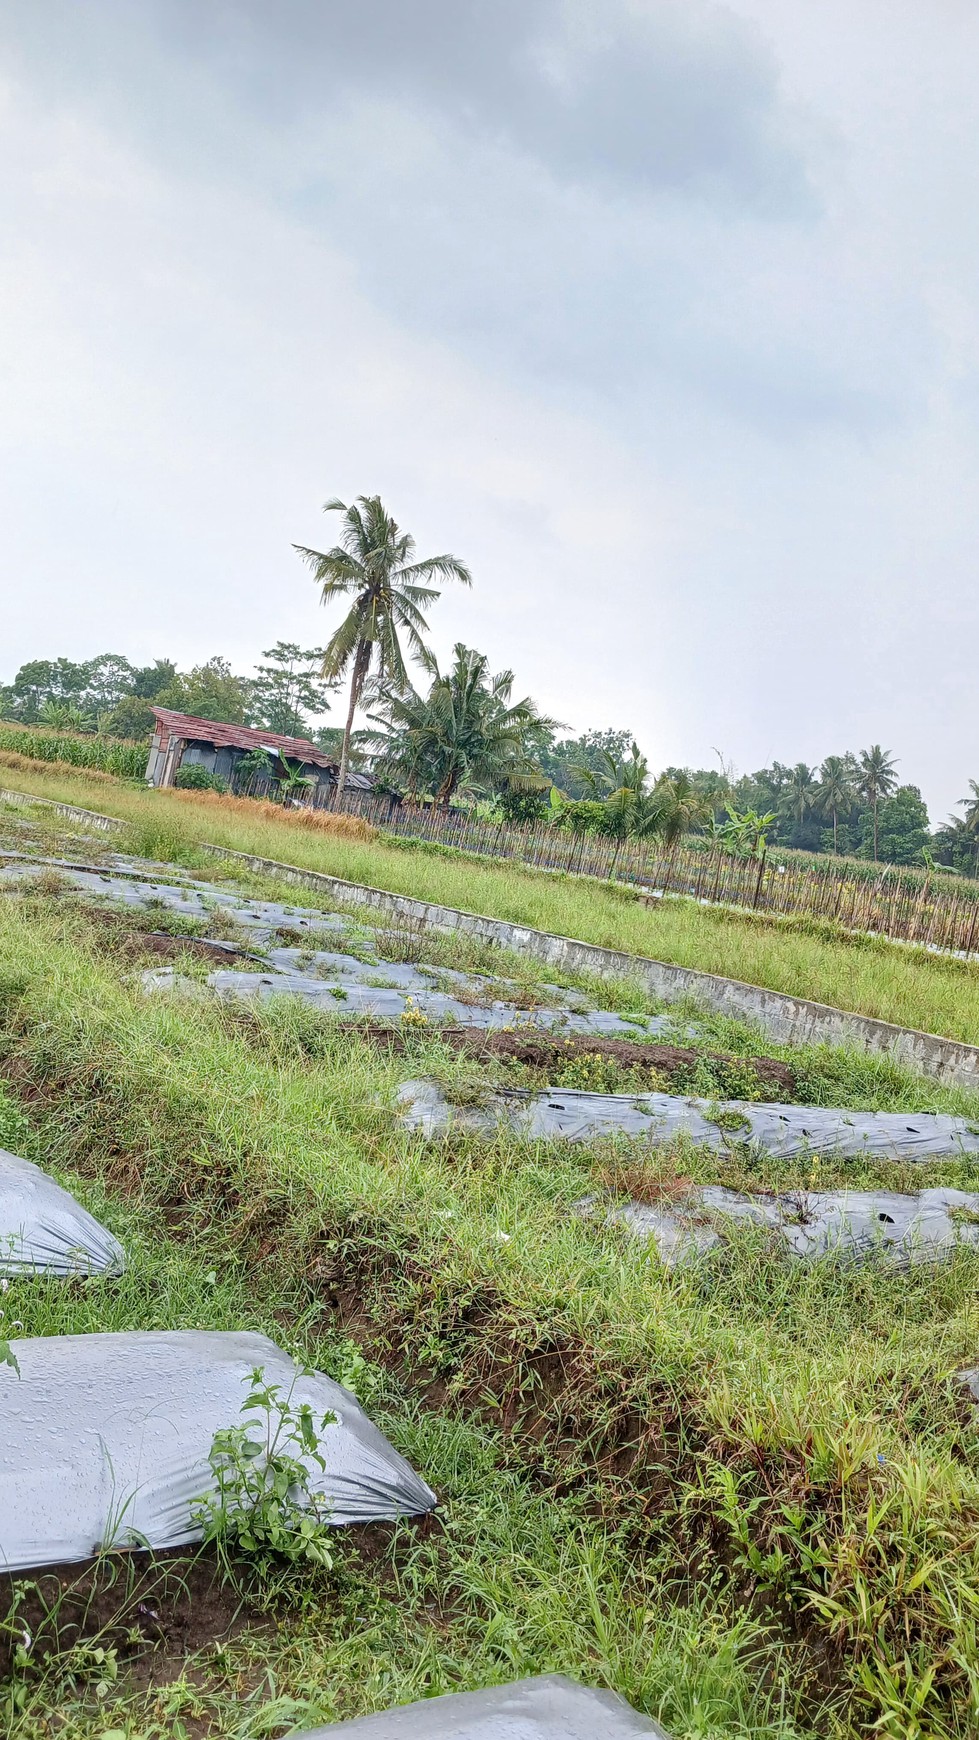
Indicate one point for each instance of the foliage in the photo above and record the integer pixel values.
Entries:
(209, 691)
(562, 760)
(898, 831)
(521, 807)
(132, 717)
(150, 680)
(264, 1504)
(374, 565)
(128, 761)
(466, 734)
(744, 832)
(193, 777)
(287, 689)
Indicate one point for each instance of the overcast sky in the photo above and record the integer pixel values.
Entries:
(662, 314)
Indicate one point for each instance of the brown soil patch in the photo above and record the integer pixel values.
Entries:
(546, 1050)
(169, 1603)
(123, 937)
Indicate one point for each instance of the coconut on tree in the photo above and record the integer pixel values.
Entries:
(374, 566)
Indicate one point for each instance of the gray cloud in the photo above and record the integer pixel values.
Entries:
(662, 312)
(670, 94)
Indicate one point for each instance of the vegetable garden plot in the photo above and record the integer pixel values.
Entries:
(851, 1225)
(339, 982)
(44, 1231)
(549, 1708)
(107, 1439)
(348, 997)
(787, 1132)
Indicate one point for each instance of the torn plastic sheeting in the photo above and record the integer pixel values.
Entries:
(549, 1708)
(853, 1225)
(783, 1131)
(44, 1231)
(106, 1441)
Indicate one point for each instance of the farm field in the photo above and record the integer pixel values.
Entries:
(870, 976)
(741, 1494)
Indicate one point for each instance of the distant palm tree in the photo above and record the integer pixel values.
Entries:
(373, 565)
(835, 791)
(800, 791)
(971, 806)
(678, 807)
(876, 779)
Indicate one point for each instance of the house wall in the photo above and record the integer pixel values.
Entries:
(221, 761)
(164, 758)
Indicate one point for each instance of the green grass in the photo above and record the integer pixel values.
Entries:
(870, 976)
(743, 1495)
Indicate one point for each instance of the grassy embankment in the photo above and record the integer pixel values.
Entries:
(909, 986)
(744, 1496)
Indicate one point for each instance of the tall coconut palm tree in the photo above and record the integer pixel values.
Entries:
(876, 779)
(835, 791)
(374, 565)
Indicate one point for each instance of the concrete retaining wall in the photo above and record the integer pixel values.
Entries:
(788, 1020)
(106, 824)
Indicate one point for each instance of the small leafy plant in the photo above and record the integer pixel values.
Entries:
(264, 1503)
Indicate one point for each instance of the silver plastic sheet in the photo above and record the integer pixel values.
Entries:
(44, 1231)
(548, 1708)
(787, 1132)
(381, 1002)
(851, 1225)
(106, 1440)
(330, 979)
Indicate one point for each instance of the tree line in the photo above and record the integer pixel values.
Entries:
(459, 736)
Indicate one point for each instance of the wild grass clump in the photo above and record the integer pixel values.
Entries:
(260, 811)
(31, 764)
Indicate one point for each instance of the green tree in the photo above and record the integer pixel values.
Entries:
(373, 564)
(562, 761)
(467, 733)
(110, 676)
(209, 691)
(149, 680)
(835, 791)
(799, 793)
(876, 779)
(288, 688)
(678, 806)
(59, 681)
(903, 832)
(132, 717)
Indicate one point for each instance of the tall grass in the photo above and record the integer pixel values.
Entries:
(867, 975)
(648, 1479)
(284, 1176)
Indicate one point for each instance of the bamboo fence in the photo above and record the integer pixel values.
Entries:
(915, 906)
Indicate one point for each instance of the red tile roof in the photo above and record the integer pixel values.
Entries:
(240, 737)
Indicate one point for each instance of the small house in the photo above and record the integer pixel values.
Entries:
(180, 740)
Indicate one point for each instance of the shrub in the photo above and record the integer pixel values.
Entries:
(193, 777)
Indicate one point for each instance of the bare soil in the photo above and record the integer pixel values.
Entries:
(547, 1050)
